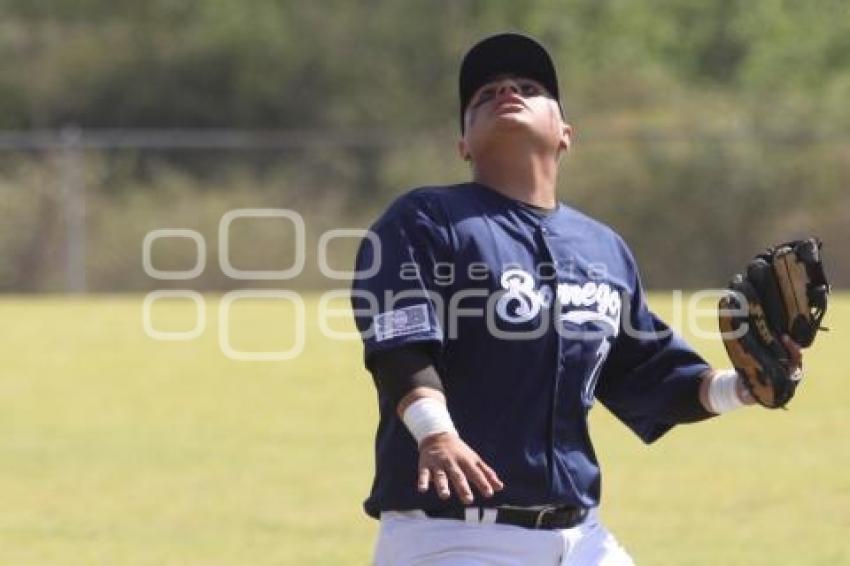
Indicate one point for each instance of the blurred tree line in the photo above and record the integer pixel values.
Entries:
(705, 130)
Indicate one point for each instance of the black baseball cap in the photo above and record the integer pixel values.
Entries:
(505, 53)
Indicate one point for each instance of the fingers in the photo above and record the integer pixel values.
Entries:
(482, 477)
(449, 464)
(443, 481)
(458, 476)
(476, 475)
(441, 484)
(422, 482)
(460, 484)
(492, 477)
(454, 477)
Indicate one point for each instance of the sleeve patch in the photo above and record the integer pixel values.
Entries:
(401, 322)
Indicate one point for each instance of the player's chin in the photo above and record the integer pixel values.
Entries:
(499, 129)
(511, 113)
(512, 121)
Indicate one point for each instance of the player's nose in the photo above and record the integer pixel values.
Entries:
(506, 86)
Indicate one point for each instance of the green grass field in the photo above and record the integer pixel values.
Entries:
(119, 449)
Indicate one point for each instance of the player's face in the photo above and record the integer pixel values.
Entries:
(511, 105)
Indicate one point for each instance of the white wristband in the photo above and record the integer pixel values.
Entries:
(723, 392)
(427, 416)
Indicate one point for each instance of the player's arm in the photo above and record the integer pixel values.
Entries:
(652, 379)
(408, 377)
(722, 391)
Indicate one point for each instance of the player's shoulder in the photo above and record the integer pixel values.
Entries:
(595, 232)
(584, 221)
(426, 202)
(439, 195)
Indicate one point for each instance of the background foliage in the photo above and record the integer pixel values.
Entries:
(705, 130)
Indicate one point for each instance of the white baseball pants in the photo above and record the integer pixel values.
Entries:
(410, 538)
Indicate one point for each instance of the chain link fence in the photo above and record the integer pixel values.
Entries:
(76, 206)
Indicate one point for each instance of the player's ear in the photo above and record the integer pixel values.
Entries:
(566, 140)
(462, 149)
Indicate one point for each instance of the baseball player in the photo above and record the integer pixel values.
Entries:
(493, 317)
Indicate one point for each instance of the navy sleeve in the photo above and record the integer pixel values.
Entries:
(399, 371)
(396, 296)
(651, 378)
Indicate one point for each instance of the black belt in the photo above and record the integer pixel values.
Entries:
(549, 517)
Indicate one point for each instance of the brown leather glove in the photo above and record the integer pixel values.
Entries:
(784, 291)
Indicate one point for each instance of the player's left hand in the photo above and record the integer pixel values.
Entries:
(774, 308)
(448, 462)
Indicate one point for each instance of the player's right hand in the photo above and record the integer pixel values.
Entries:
(448, 462)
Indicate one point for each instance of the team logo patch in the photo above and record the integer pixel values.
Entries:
(580, 303)
(401, 322)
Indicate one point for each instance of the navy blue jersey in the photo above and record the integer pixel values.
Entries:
(530, 317)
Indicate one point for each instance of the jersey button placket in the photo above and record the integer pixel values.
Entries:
(559, 359)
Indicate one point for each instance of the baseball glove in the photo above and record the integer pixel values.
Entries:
(783, 291)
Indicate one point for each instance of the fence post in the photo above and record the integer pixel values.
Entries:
(74, 196)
